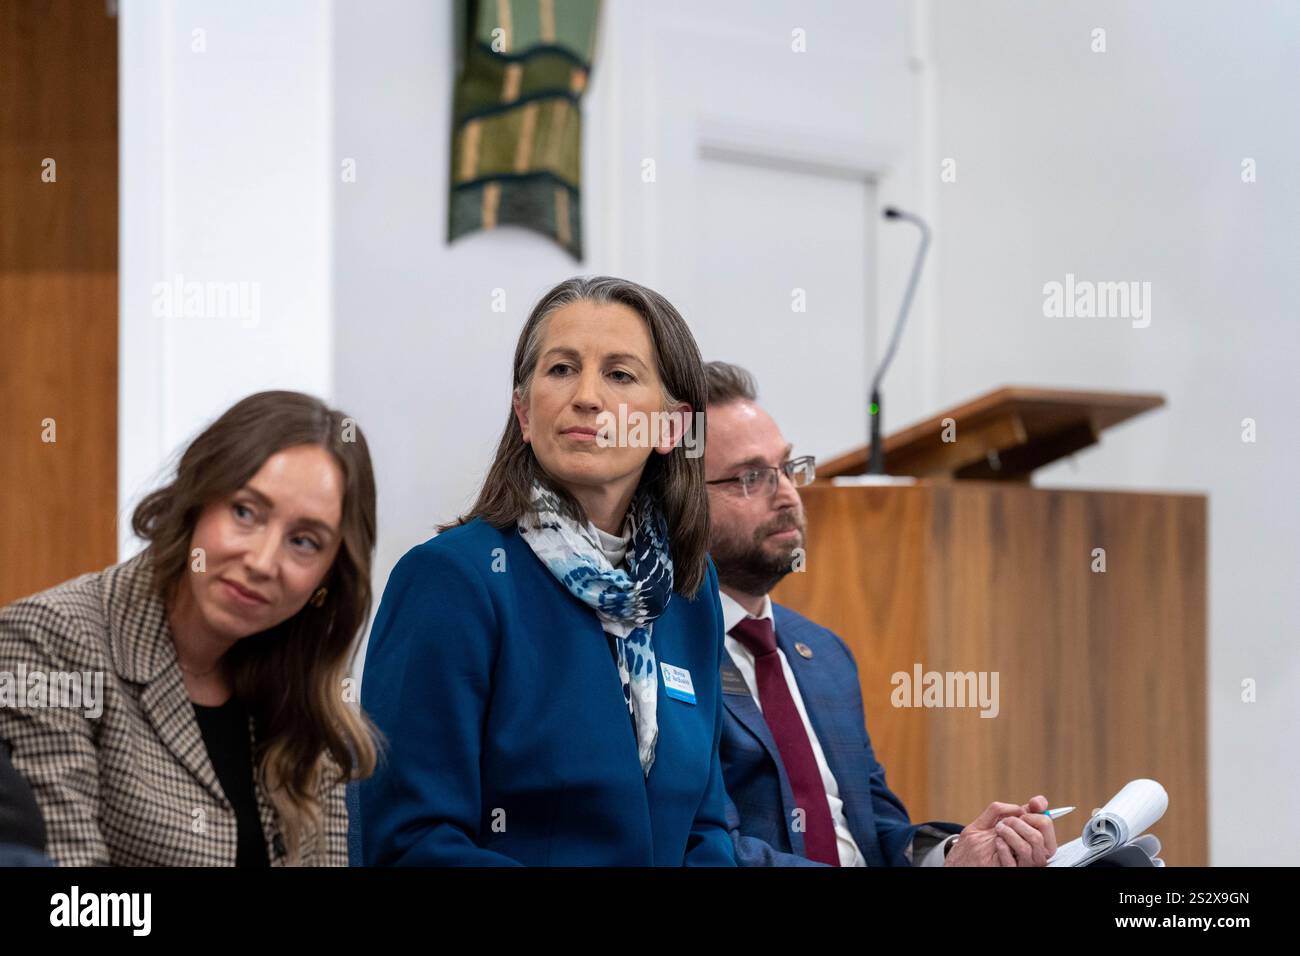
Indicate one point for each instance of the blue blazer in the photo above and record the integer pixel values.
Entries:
(761, 815)
(508, 737)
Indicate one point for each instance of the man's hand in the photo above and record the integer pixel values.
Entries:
(1006, 834)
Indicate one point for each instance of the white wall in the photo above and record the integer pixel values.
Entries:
(225, 177)
(1125, 165)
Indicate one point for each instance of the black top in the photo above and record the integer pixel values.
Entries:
(20, 817)
(225, 734)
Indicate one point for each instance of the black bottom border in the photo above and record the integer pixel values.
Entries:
(377, 905)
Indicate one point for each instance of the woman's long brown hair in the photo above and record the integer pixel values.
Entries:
(292, 675)
(676, 480)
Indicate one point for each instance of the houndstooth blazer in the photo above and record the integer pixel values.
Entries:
(133, 786)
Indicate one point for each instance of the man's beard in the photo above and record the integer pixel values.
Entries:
(750, 565)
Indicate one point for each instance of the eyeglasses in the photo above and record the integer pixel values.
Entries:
(756, 481)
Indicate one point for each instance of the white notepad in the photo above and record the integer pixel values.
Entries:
(1120, 823)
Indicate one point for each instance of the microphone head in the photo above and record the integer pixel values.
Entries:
(892, 213)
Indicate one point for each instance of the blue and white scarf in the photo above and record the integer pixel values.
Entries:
(627, 602)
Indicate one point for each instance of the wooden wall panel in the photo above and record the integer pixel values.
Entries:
(58, 291)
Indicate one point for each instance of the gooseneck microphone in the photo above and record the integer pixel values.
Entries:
(876, 465)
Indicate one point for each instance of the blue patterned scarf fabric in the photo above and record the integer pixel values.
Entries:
(627, 601)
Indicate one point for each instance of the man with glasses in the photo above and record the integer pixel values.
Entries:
(804, 784)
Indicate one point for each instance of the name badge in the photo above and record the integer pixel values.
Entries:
(677, 683)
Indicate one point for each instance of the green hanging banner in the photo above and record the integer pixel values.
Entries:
(517, 135)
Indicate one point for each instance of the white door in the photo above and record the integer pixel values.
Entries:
(738, 174)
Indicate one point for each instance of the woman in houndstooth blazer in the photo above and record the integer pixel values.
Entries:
(188, 706)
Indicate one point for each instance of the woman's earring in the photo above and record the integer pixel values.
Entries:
(318, 598)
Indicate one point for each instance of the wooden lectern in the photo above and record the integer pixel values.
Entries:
(1101, 674)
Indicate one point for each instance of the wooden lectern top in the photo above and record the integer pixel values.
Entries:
(1003, 435)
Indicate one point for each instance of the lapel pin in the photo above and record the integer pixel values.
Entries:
(804, 650)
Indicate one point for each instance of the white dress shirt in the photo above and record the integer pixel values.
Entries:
(850, 855)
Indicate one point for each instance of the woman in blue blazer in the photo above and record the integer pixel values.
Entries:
(546, 670)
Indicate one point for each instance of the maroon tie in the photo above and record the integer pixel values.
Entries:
(787, 728)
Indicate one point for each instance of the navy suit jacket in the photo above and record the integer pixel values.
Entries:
(508, 737)
(761, 812)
